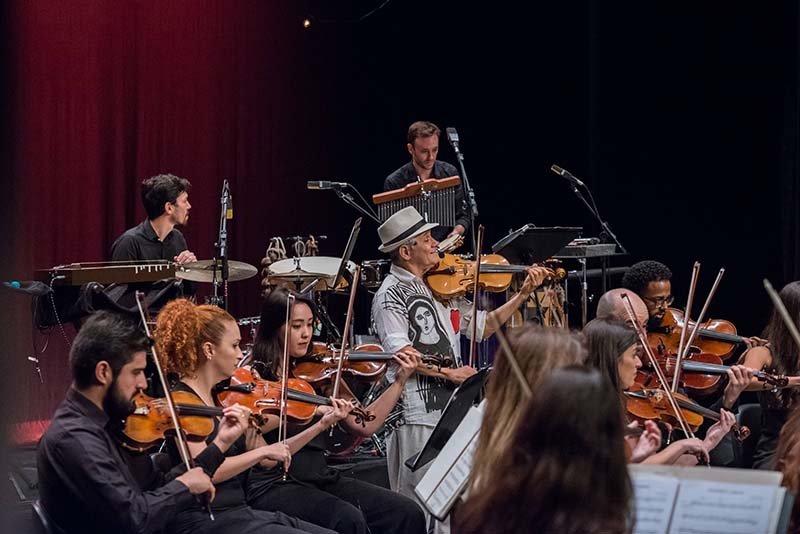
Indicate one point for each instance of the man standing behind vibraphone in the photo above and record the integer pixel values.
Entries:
(423, 146)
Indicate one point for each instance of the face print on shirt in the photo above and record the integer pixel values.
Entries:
(424, 330)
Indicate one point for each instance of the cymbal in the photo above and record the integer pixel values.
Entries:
(299, 271)
(203, 271)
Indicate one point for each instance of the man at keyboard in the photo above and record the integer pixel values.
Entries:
(166, 201)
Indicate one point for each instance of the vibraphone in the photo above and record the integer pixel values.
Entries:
(434, 199)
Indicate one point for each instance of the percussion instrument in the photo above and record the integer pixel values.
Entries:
(434, 199)
(373, 273)
(301, 271)
(209, 270)
(107, 272)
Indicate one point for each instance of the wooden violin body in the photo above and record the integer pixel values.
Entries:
(264, 397)
(366, 362)
(716, 336)
(151, 422)
(651, 403)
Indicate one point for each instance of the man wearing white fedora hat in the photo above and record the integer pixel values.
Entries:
(406, 316)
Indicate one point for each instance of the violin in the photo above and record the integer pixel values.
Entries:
(264, 396)
(715, 336)
(454, 276)
(368, 362)
(651, 403)
(150, 421)
(701, 373)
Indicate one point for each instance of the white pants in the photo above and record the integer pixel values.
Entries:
(406, 441)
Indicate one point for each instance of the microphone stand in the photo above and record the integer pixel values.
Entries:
(349, 200)
(606, 232)
(469, 194)
(222, 245)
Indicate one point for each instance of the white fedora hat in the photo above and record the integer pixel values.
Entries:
(401, 227)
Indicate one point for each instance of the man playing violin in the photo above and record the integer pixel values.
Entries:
(406, 316)
(84, 482)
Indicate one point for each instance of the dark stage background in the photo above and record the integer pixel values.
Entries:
(682, 119)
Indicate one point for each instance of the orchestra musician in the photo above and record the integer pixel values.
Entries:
(615, 351)
(611, 306)
(539, 351)
(400, 308)
(565, 470)
(166, 200)
(85, 484)
(200, 344)
(781, 356)
(423, 147)
(313, 491)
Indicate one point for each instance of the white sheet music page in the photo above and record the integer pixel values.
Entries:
(654, 497)
(448, 474)
(711, 507)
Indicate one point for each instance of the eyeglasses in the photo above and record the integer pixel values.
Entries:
(659, 301)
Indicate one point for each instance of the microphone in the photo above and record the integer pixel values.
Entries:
(452, 136)
(324, 184)
(226, 193)
(566, 174)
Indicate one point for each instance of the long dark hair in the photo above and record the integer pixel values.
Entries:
(782, 347)
(565, 470)
(268, 347)
(606, 340)
(787, 460)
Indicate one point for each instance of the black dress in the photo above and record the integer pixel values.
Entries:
(231, 513)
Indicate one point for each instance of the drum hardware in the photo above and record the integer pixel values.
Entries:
(205, 270)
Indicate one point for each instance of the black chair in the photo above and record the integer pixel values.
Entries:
(44, 521)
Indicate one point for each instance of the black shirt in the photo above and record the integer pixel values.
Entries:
(85, 485)
(407, 174)
(230, 493)
(142, 243)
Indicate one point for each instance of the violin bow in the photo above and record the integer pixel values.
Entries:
(346, 332)
(686, 313)
(505, 346)
(283, 418)
(646, 346)
(473, 345)
(183, 449)
(696, 329)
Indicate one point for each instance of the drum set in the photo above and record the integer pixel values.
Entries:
(319, 273)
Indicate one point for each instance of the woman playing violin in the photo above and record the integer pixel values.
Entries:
(615, 351)
(201, 345)
(781, 356)
(313, 491)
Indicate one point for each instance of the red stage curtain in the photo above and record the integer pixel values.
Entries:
(106, 93)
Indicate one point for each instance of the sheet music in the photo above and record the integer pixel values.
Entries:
(708, 507)
(654, 497)
(448, 473)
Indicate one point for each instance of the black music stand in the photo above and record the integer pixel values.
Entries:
(457, 407)
(531, 244)
(343, 273)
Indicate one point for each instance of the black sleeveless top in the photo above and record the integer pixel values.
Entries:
(230, 494)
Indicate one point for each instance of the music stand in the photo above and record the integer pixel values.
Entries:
(531, 244)
(457, 407)
(348, 251)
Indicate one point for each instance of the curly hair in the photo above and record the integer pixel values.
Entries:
(181, 329)
(642, 273)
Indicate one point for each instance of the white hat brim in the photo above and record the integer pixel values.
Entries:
(422, 230)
